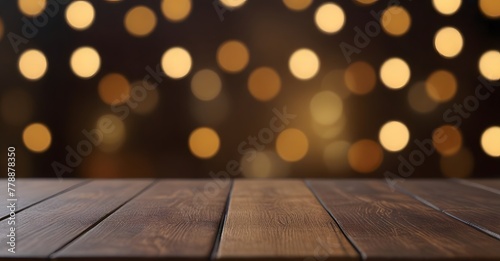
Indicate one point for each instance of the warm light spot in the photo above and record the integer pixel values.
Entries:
(447, 7)
(176, 10)
(16, 106)
(32, 7)
(140, 21)
(32, 64)
(297, 5)
(329, 131)
(490, 8)
(37, 137)
(233, 56)
(366, 2)
(292, 145)
(326, 107)
(80, 15)
(335, 156)
(2, 29)
(304, 64)
(395, 73)
(365, 156)
(459, 165)
(360, 78)
(396, 21)
(232, 4)
(114, 89)
(447, 140)
(206, 85)
(394, 136)
(147, 100)
(441, 86)
(176, 62)
(204, 142)
(448, 42)
(419, 99)
(264, 83)
(489, 65)
(113, 130)
(329, 18)
(490, 141)
(85, 62)
(259, 167)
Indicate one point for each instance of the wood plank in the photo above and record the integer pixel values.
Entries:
(491, 185)
(169, 221)
(474, 206)
(282, 220)
(32, 191)
(49, 225)
(389, 225)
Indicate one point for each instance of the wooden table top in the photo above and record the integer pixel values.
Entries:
(306, 220)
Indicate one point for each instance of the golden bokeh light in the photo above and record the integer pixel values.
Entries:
(297, 5)
(329, 18)
(113, 130)
(360, 78)
(326, 107)
(233, 56)
(176, 10)
(37, 137)
(335, 156)
(232, 4)
(204, 142)
(447, 7)
(304, 64)
(490, 141)
(2, 29)
(176, 62)
(292, 145)
(490, 8)
(448, 42)
(419, 99)
(330, 131)
(80, 15)
(206, 85)
(264, 83)
(459, 165)
(16, 106)
(396, 20)
(395, 73)
(114, 88)
(85, 62)
(260, 167)
(32, 64)
(489, 65)
(441, 86)
(447, 140)
(140, 21)
(366, 2)
(365, 156)
(148, 102)
(394, 136)
(32, 7)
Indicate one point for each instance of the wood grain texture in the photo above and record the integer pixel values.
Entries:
(474, 206)
(280, 220)
(32, 191)
(491, 185)
(169, 221)
(389, 225)
(49, 225)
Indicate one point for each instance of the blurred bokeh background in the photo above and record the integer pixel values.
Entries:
(292, 88)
